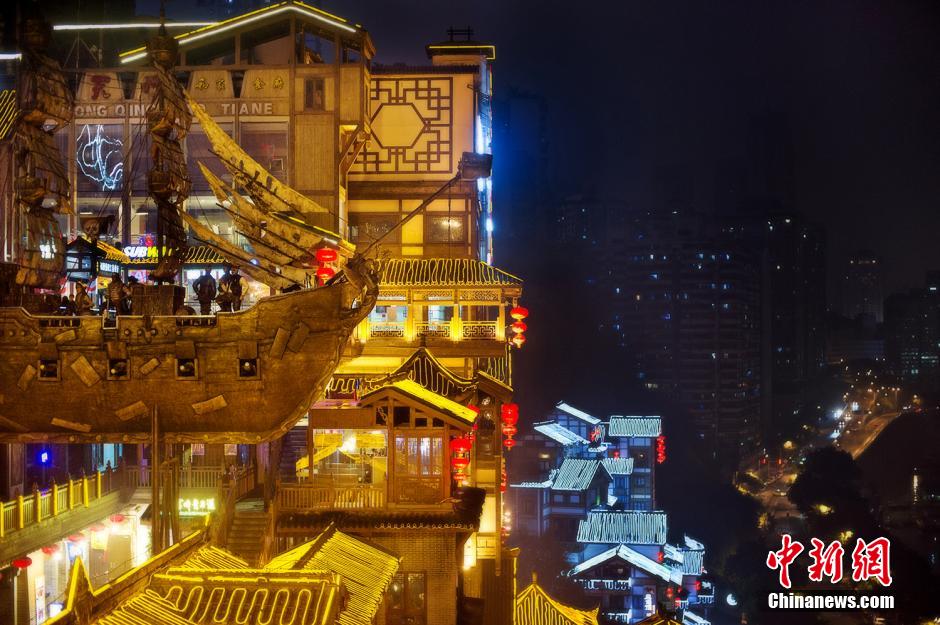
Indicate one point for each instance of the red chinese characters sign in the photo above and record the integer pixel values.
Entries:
(870, 560)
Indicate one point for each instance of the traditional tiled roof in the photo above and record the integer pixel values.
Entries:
(366, 569)
(690, 558)
(658, 619)
(147, 608)
(417, 272)
(533, 606)
(213, 557)
(423, 395)
(544, 484)
(8, 112)
(635, 558)
(580, 414)
(634, 426)
(690, 618)
(628, 527)
(377, 520)
(575, 474)
(618, 466)
(251, 596)
(559, 434)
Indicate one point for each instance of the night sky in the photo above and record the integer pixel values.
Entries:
(648, 95)
(661, 99)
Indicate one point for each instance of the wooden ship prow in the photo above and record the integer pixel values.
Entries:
(235, 377)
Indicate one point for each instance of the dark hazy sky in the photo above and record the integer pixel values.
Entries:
(647, 94)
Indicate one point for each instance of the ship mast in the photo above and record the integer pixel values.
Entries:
(45, 104)
(168, 121)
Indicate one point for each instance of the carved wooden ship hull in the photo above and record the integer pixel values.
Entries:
(58, 383)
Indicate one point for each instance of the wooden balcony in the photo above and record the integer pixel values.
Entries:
(305, 497)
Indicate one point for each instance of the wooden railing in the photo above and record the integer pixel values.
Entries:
(387, 329)
(314, 497)
(27, 510)
(189, 477)
(479, 330)
(435, 329)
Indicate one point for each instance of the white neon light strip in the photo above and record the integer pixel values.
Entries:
(10, 56)
(130, 25)
(238, 23)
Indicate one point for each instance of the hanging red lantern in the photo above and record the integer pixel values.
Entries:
(660, 449)
(459, 463)
(327, 255)
(460, 445)
(519, 313)
(518, 340)
(519, 327)
(21, 563)
(50, 549)
(660, 556)
(509, 443)
(670, 592)
(509, 413)
(509, 430)
(325, 273)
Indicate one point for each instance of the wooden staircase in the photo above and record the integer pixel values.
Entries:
(247, 530)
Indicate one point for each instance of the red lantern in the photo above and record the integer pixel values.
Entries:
(660, 556)
(698, 585)
(460, 445)
(459, 464)
(509, 413)
(327, 255)
(50, 549)
(21, 563)
(325, 273)
(660, 449)
(509, 430)
(670, 592)
(518, 340)
(519, 313)
(519, 327)
(509, 443)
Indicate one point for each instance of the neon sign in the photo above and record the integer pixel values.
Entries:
(100, 157)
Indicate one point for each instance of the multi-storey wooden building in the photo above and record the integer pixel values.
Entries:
(299, 90)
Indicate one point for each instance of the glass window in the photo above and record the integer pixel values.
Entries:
(266, 142)
(199, 150)
(314, 94)
(445, 229)
(368, 228)
(407, 599)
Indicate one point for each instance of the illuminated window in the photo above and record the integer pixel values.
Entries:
(445, 229)
(419, 467)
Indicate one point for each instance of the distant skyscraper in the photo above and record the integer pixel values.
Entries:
(684, 302)
(862, 290)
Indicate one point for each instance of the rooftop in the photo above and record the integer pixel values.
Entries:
(634, 426)
(580, 414)
(618, 466)
(559, 434)
(417, 272)
(533, 606)
(575, 474)
(633, 557)
(628, 527)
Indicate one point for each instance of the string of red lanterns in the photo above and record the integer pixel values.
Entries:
(518, 327)
(509, 413)
(660, 449)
